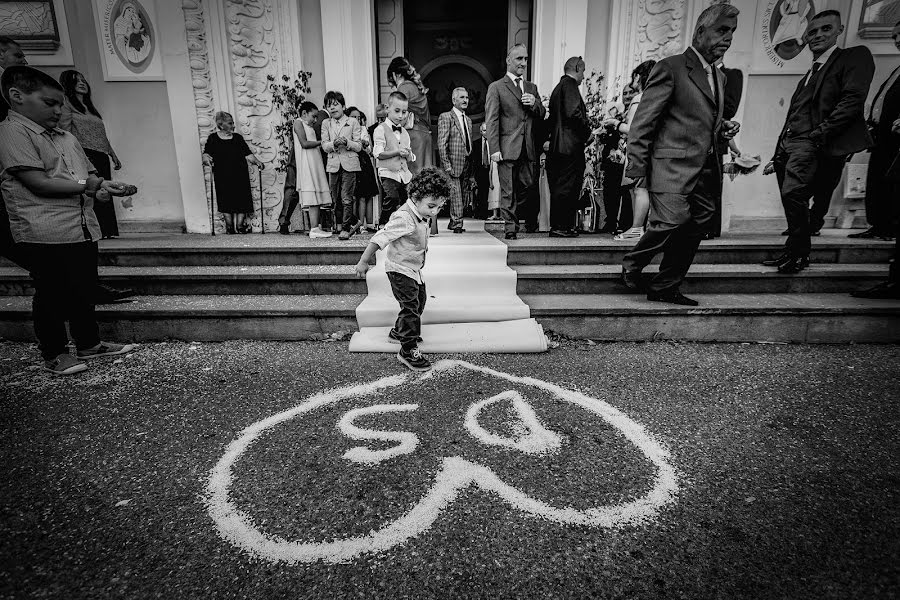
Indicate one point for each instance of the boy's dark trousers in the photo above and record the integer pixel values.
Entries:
(393, 198)
(65, 280)
(411, 296)
(343, 194)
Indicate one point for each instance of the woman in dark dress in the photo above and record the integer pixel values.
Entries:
(81, 118)
(228, 154)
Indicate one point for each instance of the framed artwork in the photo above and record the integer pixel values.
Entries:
(40, 28)
(129, 40)
(877, 18)
(779, 46)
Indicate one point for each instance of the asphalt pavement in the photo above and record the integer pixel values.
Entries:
(298, 470)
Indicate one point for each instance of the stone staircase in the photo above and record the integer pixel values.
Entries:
(290, 287)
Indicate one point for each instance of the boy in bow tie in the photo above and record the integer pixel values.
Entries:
(392, 155)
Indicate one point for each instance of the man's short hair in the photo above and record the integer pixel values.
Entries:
(571, 65)
(458, 91)
(828, 13)
(398, 96)
(710, 15)
(27, 79)
(331, 97)
(308, 106)
(430, 181)
(514, 46)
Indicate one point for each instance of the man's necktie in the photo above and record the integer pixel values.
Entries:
(466, 133)
(815, 68)
(519, 85)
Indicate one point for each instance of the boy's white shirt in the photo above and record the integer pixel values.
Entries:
(378, 145)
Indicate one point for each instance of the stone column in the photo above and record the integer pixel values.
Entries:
(348, 34)
(560, 31)
(233, 45)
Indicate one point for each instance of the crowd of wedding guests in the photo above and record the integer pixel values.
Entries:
(662, 165)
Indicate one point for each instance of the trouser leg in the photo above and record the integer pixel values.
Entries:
(82, 281)
(800, 160)
(829, 171)
(393, 198)
(456, 202)
(410, 294)
(348, 199)
(565, 175)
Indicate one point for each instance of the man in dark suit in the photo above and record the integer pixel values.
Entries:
(881, 193)
(454, 147)
(513, 110)
(673, 151)
(569, 132)
(825, 124)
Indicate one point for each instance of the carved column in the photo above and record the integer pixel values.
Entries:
(233, 46)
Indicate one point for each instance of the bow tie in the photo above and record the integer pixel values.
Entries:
(396, 128)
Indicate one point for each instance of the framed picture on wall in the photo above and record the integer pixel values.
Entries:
(41, 29)
(878, 18)
(129, 40)
(779, 46)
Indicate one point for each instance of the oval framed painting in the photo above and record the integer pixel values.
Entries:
(132, 35)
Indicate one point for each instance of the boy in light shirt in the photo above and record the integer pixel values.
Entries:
(392, 154)
(406, 238)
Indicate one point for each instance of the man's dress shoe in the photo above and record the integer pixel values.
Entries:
(882, 291)
(562, 233)
(672, 297)
(794, 265)
(868, 234)
(786, 232)
(510, 236)
(531, 229)
(458, 230)
(776, 262)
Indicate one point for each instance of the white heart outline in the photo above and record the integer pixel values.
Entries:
(455, 474)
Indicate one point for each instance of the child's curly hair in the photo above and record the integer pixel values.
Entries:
(430, 181)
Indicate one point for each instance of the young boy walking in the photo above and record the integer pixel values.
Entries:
(50, 187)
(390, 146)
(406, 238)
(341, 137)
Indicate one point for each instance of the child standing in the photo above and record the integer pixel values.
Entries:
(406, 238)
(50, 187)
(341, 137)
(312, 183)
(392, 153)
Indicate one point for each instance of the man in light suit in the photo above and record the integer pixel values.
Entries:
(454, 147)
(825, 124)
(569, 132)
(513, 111)
(673, 151)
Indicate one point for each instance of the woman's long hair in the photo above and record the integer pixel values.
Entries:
(643, 72)
(402, 66)
(69, 79)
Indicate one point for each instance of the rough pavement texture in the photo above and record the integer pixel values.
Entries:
(787, 459)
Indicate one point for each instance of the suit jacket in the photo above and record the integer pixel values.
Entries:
(734, 89)
(569, 126)
(509, 123)
(839, 102)
(890, 111)
(452, 143)
(344, 156)
(676, 126)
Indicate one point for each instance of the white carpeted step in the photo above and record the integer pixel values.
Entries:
(453, 280)
(381, 310)
(519, 336)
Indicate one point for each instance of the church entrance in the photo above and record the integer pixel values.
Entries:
(451, 44)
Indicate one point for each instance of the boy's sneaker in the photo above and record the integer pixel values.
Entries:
(394, 336)
(414, 359)
(106, 349)
(631, 234)
(65, 364)
(316, 232)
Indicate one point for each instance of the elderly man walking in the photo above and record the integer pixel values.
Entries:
(673, 146)
(569, 132)
(513, 110)
(454, 147)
